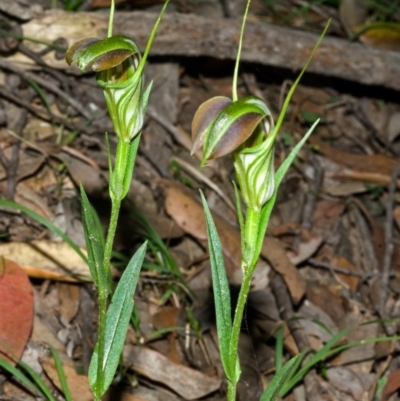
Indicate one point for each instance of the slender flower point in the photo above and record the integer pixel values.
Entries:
(117, 61)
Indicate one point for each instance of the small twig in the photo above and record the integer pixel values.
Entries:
(39, 61)
(179, 136)
(47, 85)
(201, 177)
(46, 116)
(11, 166)
(387, 260)
(340, 270)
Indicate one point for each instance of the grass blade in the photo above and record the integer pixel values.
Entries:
(48, 224)
(21, 377)
(38, 380)
(61, 374)
(317, 357)
(222, 297)
(273, 388)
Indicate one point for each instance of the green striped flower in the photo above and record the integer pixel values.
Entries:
(117, 61)
(244, 128)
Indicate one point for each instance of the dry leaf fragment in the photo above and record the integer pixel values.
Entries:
(16, 317)
(78, 384)
(188, 214)
(377, 163)
(188, 383)
(350, 281)
(275, 253)
(392, 384)
(46, 259)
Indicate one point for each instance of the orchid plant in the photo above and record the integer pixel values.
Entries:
(119, 67)
(244, 128)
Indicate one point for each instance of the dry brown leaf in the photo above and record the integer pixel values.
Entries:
(309, 244)
(392, 384)
(274, 252)
(188, 214)
(83, 172)
(329, 300)
(345, 380)
(166, 318)
(78, 384)
(376, 164)
(142, 393)
(326, 214)
(30, 199)
(69, 300)
(46, 259)
(350, 281)
(385, 36)
(188, 383)
(16, 317)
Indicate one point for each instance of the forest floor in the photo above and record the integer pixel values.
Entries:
(331, 257)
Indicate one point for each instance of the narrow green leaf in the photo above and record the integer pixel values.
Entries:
(117, 321)
(317, 357)
(222, 296)
(273, 388)
(267, 209)
(38, 380)
(21, 377)
(294, 86)
(61, 374)
(93, 243)
(48, 224)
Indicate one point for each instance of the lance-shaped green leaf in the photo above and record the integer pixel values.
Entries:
(222, 296)
(117, 321)
(221, 126)
(94, 245)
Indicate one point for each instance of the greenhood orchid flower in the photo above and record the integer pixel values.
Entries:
(119, 68)
(244, 128)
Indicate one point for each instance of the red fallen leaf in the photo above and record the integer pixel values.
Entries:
(392, 384)
(16, 310)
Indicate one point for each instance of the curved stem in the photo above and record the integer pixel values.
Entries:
(237, 323)
(103, 293)
(248, 265)
(111, 19)
(236, 71)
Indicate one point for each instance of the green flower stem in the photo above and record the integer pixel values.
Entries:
(252, 228)
(103, 293)
(237, 323)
